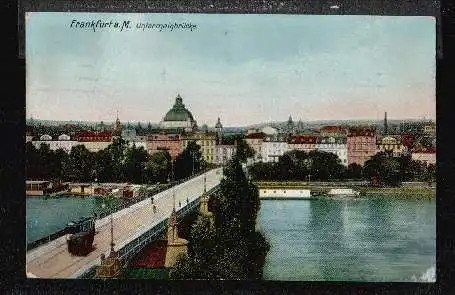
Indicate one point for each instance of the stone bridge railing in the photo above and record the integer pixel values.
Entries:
(132, 246)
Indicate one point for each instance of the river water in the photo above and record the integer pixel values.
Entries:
(311, 240)
(373, 240)
(45, 216)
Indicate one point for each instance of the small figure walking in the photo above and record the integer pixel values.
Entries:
(180, 204)
(187, 201)
(151, 200)
(154, 209)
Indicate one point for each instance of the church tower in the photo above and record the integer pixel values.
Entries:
(290, 126)
(219, 131)
(385, 124)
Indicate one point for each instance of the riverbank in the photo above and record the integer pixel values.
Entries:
(398, 192)
(410, 190)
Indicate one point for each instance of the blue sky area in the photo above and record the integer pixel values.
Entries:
(245, 69)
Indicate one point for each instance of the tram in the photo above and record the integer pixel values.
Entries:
(80, 236)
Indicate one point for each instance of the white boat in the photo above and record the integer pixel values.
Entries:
(343, 192)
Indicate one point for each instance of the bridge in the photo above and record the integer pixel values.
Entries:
(134, 228)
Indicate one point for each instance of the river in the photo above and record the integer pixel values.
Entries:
(367, 240)
(45, 216)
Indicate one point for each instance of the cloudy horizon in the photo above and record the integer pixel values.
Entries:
(245, 69)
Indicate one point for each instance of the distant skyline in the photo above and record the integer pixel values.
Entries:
(245, 69)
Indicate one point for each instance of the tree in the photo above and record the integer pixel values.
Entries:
(229, 247)
(135, 164)
(384, 167)
(189, 161)
(158, 167)
(103, 166)
(354, 171)
(79, 165)
(117, 152)
(244, 150)
(59, 157)
(32, 164)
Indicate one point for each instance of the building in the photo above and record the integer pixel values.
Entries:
(290, 126)
(129, 134)
(425, 155)
(390, 144)
(117, 127)
(361, 144)
(430, 129)
(28, 133)
(63, 142)
(94, 141)
(224, 152)
(131, 137)
(205, 139)
(334, 145)
(179, 117)
(269, 130)
(274, 146)
(300, 127)
(139, 141)
(224, 148)
(304, 143)
(254, 140)
(163, 141)
(333, 131)
(413, 128)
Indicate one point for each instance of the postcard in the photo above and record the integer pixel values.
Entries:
(229, 146)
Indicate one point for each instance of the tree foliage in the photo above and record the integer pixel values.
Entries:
(300, 165)
(323, 166)
(189, 161)
(158, 167)
(117, 163)
(227, 247)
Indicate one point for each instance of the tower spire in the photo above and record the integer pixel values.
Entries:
(385, 124)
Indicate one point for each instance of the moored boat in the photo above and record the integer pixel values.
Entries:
(343, 192)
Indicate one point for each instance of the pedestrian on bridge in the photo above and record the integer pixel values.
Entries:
(154, 209)
(180, 204)
(187, 201)
(151, 200)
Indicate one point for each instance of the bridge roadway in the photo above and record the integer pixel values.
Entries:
(52, 260)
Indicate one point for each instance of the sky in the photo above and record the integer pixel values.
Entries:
(245, 69)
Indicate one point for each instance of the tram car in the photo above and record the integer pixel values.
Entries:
(80, 236)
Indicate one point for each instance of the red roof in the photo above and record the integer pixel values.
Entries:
(424, 150)
(332, 129)
(258, 135)
(361, 131)
(85, 135)
(407, 140)
(306, 139)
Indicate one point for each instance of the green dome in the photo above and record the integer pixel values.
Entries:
(178, 112)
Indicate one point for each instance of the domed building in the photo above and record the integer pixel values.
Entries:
(179, 117)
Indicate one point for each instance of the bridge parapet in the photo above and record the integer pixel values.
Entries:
(132, 246)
